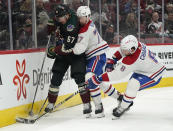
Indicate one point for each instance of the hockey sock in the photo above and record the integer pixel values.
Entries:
(109, 90)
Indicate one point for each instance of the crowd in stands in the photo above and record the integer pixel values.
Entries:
(21, 11)
(151, 30)
(150, 20)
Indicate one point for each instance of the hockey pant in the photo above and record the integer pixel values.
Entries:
(95, 66)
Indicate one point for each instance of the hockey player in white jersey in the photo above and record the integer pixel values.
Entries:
(137, 59)
(90, 42)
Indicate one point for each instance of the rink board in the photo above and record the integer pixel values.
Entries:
(19, 73)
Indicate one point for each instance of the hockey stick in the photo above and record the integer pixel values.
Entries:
(31, 121)
(31, 111)
(42, 105)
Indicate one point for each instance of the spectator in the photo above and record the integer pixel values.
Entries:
(154, 4)
(169, 9)
(111, 14)
(143, 4)
(122, 24)
(75, 4)
(42, 20)
(134, 7)
(3, 17)
(131, 24)
(47, 6)
(95, 17)
(4, 35)
(25, 36)
(109, 34)
(42, 16)
(127, 6)
(26, 7)
(148, 14)
(39, 5)
(169, 24)
(155, 23)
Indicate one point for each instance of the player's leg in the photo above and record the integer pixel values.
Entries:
(127, 99)
(84, 93)
(78, 70)
(96, 96)
(136, 82)
(95, 67)
(111, 91)
(59, 69)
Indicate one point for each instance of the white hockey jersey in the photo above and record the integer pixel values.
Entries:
(90, 41)
(143, 62)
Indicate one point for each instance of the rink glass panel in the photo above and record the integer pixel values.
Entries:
(4, 27)
(22, 24)
(28, 30)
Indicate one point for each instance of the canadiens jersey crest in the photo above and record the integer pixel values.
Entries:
(70, 27)
(122, 68)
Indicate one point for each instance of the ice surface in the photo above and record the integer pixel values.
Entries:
(152, 111)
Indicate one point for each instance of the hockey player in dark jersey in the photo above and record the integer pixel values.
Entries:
(66, 25)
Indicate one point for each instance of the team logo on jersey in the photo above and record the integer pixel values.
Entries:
(122, 68)
(143, 53)
(21, 79)
(70, 27)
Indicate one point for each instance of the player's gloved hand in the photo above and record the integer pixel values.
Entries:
(110, 64)
(67, 51)
(58, 50)
(50, 27)
(51, 52)
(93, 82)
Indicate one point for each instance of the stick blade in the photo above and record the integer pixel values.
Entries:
(25, 120)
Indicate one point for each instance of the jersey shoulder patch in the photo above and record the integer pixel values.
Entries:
(128, 60)
(70, 27)
(85, 27)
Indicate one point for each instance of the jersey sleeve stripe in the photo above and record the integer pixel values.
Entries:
(161, 70)
(96, 50)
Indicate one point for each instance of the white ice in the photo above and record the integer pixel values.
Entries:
(152, 111)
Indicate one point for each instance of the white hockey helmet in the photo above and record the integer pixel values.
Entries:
(128, 43)
(83, 11)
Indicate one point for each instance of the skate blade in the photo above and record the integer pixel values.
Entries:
(88, 115)
(115, 118)
(25, 120)
(100, 115)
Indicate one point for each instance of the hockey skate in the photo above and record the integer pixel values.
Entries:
(120, 98)
(99, 111)
(87, 110)
(119, 111)
(49, 107)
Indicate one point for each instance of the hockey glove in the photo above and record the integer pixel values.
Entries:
(58, 51)
(51, 52)
(110, 64)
